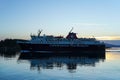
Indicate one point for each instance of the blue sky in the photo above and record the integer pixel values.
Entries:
(98, 18)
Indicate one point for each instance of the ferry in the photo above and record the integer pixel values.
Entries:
(70, 43)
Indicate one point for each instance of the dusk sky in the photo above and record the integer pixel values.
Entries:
(98, 18)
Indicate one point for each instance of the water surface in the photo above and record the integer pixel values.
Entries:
(62, 68)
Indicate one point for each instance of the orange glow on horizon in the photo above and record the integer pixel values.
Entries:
(103, 37)
(108, 38)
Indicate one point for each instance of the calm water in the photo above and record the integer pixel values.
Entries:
(62, 68)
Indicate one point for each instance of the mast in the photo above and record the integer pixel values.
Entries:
(39, 32)
(71, 30)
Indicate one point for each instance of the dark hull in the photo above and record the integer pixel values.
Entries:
(48, 48)
(37, 55)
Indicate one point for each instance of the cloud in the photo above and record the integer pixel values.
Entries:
(89, 24)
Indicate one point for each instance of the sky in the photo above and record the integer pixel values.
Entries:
(98, 18)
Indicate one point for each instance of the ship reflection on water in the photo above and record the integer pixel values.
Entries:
(38, 61)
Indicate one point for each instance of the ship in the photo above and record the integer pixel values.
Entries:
(70, 43)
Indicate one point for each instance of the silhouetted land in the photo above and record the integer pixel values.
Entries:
(9, 47)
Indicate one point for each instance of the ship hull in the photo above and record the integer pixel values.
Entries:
(27, 47)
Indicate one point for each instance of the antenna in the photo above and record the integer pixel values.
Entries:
(39, 32)
(71, 30)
